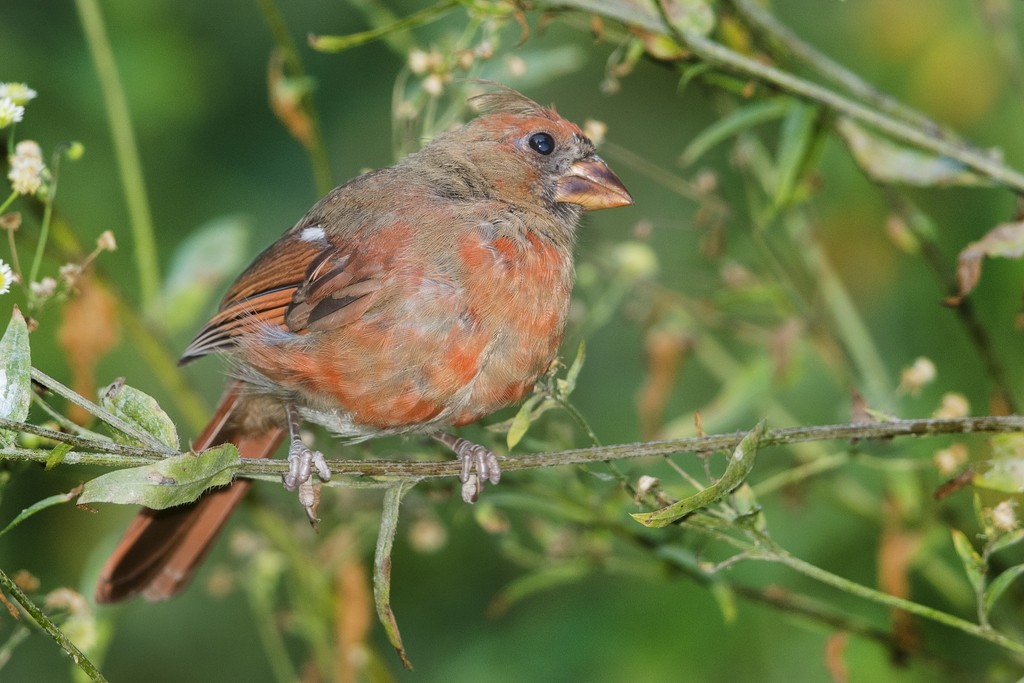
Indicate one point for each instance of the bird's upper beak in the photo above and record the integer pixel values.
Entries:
(591, 184)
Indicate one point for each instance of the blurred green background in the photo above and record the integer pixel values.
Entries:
(195, 75)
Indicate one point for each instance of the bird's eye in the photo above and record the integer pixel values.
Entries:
(542, 143)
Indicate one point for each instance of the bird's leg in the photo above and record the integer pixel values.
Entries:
(301, 460)
(479, 464)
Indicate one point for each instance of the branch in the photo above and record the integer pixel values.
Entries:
(718, 55)
(113, 455)
(77, 656)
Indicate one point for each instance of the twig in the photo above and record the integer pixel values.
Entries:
(317, 152)
(721, 56)
(426, 470)
(765, 23)
(920, 226)
(103, 414)
(859, 590)
(77, 656)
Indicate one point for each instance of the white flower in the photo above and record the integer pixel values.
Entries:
(515, 65)
(10, 112)
(595, 130)
(419, 61)
(1003, 516)
(27, 168)
(28, 149)
(19, 92)
(914, 378)
(433, 85)
(6, 278)
(45, 288)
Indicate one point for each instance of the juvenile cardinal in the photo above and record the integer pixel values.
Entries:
(411, 299)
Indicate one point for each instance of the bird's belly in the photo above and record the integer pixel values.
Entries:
(442, 352)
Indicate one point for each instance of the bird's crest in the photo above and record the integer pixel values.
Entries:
(505, 100)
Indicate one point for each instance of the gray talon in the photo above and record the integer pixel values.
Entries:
(478, 464)
(301, 461)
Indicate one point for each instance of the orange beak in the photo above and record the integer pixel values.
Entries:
(591, 184)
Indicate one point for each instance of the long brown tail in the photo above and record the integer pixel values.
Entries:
(162, 549)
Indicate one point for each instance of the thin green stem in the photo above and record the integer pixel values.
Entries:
(319, 162)
(850, 326)
(723, 57)
(127, 152)
(77, 656)
(577, 416)
(765, 23)
(923, 229)
(150, 345)
(777, 554)
(68, 426)
(44, 229)
(795, 475)
(103, 414)
(8, 202)
(718, 55)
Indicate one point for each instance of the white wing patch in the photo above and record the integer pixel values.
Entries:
(313, 233)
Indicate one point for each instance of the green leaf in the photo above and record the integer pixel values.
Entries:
(690, 16)
(890, 163)
(1005, 471)
(39, 506)
(521, 422)
(382, 567)
(973, 564)
(725, 598)
(15, 374)
(172, 481)
(740, 464)
(1000, 584)
(795, 144)
(414, 20)
(734, 124)
(57, 455)
(749, 511)
(141, 410)
(206, 258)
(1007, 540)
(567, 385)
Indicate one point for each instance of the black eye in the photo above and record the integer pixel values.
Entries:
(542, 143)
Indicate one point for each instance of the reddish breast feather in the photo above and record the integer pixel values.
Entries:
(519, 292)
(447, 348)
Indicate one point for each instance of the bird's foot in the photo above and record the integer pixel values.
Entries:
(301, 463)
(479, 464)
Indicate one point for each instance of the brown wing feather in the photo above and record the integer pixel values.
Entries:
(336, 286)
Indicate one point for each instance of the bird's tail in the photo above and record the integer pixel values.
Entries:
(162, 549)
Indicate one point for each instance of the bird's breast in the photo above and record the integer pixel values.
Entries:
(517, 289)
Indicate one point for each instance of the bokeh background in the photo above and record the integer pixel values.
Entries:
(602, 609)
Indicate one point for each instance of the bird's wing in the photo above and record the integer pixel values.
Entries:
(305, 282)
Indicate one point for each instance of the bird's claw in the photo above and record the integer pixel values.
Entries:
(479, 464)
(301, 463)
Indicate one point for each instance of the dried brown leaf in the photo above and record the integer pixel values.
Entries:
(665, 350)
(1005, 240)
(286, 95)
(88, 330)
(835, 648)
(896, 552)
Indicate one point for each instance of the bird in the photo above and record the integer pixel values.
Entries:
(410, 300)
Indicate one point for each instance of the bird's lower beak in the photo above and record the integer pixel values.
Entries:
(592, 185)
